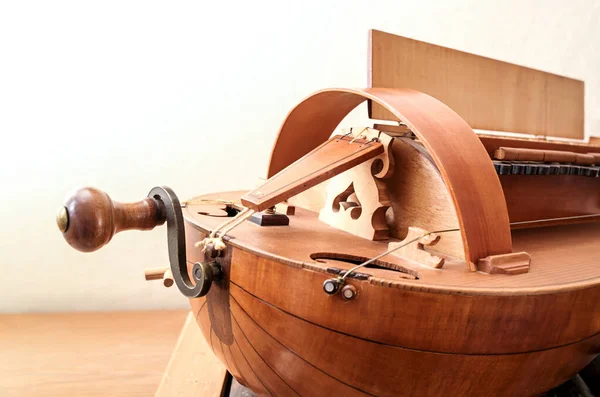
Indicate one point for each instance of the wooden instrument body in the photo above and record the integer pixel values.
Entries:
(412, 330)
(449, 331)
(410, 327)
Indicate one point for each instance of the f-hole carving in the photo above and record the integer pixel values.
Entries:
(357, 199)
(348, 201)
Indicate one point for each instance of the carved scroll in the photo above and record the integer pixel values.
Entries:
(357, 199)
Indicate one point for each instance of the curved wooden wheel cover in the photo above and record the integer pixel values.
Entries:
(458, 153)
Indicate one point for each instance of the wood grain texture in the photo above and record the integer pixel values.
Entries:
(520, 302)
(551, 250)
(550, 196)
(471, 180)
(548, 156)
(394, 371)
(528, 198)
(481, 340)
(466, 321)
(357, 199)
(493, 143)
(416, 204)
(488, 94)
(193, 370)
(329, 159)
(283, 342)
(411, 250)
(514, 263)
(94, 218)
(86, 354)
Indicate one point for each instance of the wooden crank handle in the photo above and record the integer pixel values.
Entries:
(90, 218)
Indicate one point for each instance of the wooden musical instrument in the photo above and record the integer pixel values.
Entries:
(411, 257)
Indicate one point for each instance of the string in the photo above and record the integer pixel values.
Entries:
(229, 221)
(360, 148)
(368, 262)
(217, 241)
(394, 249)
(239, 221)
(565, 218)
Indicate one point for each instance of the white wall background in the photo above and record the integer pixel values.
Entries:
(126, 95)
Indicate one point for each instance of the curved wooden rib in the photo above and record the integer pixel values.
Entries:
(461, 158)
(397, 371)
(288, 364)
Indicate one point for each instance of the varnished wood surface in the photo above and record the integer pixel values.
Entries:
(94, 218)
(393, 371)
(549, 156)
(331, 158)
(493, 143)
(550, 196)
(357, 199)
(468, 306)
(417, 204)
(471, 180)
(86, 354)
(555, 251)
(488, 94)
(289, 338)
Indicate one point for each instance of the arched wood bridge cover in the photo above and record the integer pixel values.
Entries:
(458, 153)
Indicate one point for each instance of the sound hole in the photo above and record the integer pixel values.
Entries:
(227, 212)
(353, 260)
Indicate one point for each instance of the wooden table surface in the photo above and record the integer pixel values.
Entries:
(86, 354)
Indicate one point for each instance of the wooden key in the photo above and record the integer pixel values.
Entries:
(331, 158)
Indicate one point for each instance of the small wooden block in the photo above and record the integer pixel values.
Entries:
(415, 251)
(513, 263)
(285, 208)
(394, 130)
(264, 219)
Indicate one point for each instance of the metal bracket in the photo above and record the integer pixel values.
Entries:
(176, 244)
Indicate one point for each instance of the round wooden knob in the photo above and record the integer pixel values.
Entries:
(90, 218)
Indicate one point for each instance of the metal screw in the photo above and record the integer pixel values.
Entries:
(198, 272)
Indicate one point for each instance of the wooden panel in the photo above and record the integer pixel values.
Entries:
(555, 252)
(528, 197)
(329, 159)
(424, 205)
(86, 354)
(465, 321)
(535, 197)
(193, 369)
(287, 363)
(480, 341)
(488, 94)
(272, 381)
(493, 143)
(382, 370)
